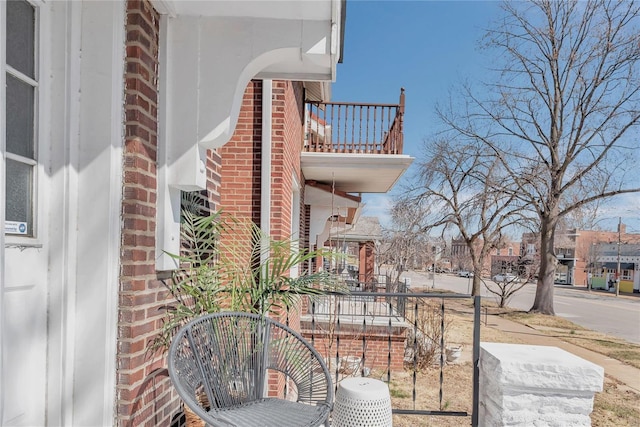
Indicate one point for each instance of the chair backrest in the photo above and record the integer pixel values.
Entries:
(227, 359)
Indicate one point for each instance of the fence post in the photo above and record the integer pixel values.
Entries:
(476, 358)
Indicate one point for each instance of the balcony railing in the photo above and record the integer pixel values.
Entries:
(397, 337)
(566, 253)
(343, 127)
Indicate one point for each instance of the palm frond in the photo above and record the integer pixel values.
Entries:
(226, 263)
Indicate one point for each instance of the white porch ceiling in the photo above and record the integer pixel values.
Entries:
(356, 173)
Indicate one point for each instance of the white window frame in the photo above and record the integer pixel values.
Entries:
(32, 239)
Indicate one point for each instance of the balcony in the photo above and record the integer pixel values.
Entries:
(355, 148)
(565, 253)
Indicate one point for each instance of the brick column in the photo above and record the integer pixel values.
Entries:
(367, 262)
(144, 393)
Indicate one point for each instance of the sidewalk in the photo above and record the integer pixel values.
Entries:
(626, 374)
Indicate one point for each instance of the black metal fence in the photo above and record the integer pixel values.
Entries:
(369, 324)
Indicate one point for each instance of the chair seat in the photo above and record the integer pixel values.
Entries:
(271, 413)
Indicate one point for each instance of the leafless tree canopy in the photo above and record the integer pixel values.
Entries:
(406, 241)
(562, 114)
(460, 180)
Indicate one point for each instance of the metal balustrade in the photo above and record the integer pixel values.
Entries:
(374, 329)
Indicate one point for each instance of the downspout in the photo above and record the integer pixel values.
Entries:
(265, 181)
(265, 166)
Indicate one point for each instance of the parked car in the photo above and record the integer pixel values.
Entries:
(505, 278)
(464, 273)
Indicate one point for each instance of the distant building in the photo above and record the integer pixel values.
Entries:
(506, 259)
(611, 259)
(501, 259)
(576, 253)
(358, 244)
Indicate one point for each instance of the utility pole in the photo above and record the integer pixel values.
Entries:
(433, 252)
(618, 268)
(433, 276)
(592, 264)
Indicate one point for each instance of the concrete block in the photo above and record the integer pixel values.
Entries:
(526, 385)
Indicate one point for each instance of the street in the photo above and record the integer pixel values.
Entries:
(597, 311)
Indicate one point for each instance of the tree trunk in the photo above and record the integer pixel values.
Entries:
(478, 263)
(543, 302)
(477, 276)
(475, 290)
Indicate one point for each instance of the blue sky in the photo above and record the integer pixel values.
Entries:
(423, 46)
(427, 47)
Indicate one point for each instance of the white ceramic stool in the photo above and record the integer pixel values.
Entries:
(362, 402)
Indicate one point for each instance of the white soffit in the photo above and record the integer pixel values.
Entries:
(315, 196)
(356, 173)
(281, 9)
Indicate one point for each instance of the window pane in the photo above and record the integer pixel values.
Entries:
(195, 202)
(21, 36)
(20, 100)
(19, 198)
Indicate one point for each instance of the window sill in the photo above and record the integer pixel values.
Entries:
(21, 242)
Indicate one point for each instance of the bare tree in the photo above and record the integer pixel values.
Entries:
(524, 269)
(459, 180)
(563, 114)
(504, 290)
(407, 237)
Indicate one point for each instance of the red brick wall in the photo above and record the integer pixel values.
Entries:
(325, 339)
(242, 156)
(144, 393)
(240, 159)
(583, 249)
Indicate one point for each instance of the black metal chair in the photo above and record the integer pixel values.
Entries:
(244, 370)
